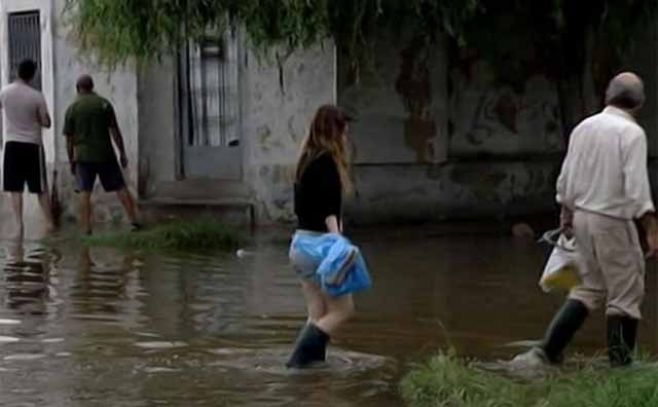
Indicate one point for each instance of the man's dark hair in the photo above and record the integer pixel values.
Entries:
(27, 69)
(85, 83)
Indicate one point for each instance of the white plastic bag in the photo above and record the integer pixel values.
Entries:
(563, 268)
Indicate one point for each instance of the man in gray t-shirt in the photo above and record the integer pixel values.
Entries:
(23, 159)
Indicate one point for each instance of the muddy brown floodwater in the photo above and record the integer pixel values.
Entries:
(100, 327)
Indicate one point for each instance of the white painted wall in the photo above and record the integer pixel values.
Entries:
(62, 64)
(119, 85)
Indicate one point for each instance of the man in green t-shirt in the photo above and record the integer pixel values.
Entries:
(90, 127)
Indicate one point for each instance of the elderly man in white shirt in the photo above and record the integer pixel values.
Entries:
(603, 188)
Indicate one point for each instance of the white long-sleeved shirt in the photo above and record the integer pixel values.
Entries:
(605, 170)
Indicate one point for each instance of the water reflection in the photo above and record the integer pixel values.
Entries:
(86, 326)
(26, 279)
(100, 285)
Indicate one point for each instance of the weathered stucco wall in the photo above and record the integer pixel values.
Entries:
(157, 125)
(434, 138)
(450, 192)
(437, 137)
(119, 86)
(276, 107)
(400, 103)
(496, 119)
(276, 119)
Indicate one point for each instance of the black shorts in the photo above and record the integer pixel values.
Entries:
(23, 163)
(109, 173)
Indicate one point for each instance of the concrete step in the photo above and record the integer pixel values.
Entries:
(237, 211)
(201, 190)
(229, 201)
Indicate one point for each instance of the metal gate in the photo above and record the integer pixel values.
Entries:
(210, 108)
(24, 29)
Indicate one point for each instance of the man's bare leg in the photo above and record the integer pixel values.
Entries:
(46, 208)
(17, 208)
(85, 212)
(128, 204)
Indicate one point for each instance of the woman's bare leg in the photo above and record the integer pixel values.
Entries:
(315, 304)
(339, 310)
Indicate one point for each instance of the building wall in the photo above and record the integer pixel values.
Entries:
(157, 125)
(275, 106)
(454, 191)
(63, 63)
(436, 137)
(276, 118)
(118, 85)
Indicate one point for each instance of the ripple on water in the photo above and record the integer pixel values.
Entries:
(24, 357)
(159, 369)
(272, 361)
(9, 321)
(8, 339)
(161, 344)
(147, 334)
(52, 340)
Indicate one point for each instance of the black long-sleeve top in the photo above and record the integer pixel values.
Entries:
(318, 194)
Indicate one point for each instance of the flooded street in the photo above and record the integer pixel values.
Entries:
(100, 327)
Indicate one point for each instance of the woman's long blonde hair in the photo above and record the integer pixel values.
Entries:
(327, 135)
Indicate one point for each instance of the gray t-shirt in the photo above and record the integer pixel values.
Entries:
(24, 111)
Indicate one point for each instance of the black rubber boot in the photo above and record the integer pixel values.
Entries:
(622, 332)
(566, 322)
(311, 346)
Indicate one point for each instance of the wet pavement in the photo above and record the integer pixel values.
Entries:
(100, 327)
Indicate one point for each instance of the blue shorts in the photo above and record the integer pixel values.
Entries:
(109, 173)
(303, 265)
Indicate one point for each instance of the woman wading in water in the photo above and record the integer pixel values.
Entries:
(322, 179)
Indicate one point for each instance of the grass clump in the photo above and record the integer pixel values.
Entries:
(180, 235)
(449, 381)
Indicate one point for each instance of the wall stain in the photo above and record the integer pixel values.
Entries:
(414, 86)
(482, 183)
(507, 111)
(283, 174)
(264, 135)
(291, 129)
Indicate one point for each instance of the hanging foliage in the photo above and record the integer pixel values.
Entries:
(567, 38)
(120, 29)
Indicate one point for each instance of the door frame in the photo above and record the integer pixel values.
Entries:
(180, 73)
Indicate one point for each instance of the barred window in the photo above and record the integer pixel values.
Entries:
(210, 92)
(24, 29)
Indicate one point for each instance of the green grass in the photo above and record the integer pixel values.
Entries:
(196, 235)
(449, 381)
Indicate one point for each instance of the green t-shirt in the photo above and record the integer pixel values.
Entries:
(88, 121)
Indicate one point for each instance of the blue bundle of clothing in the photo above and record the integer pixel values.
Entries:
(332, 261)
